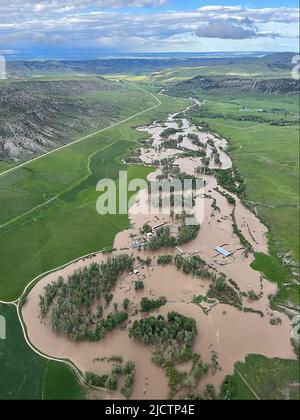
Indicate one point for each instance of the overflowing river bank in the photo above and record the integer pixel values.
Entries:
(223, 330)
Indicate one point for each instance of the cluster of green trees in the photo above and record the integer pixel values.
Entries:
(275, 321)
(214, 205)
(103, 326)
(170, 144)
(146, 229)
(252, 118)
(125, 304)
(206, 161)
(147, 262)
(111, 381)
(129, 160)
(139, 285)
(172, 339)
(168, 132)
(228, 388)
(254, 311)
(205, 170)
(215, 153)
(196, 141)
(172, 342)
(198, 371)
(182, 176)
(188, 380)
(248, 247)
(108, 250)
(91, 378)
(217, 158)
(148, 305)
(69, 304)
(203, 155)
(193, 137)
(197, 300)
(50, 292)
(180, 138)
(231, 180)
(224, 293)
(165, 259)
(235, 285)
(210, 393)
(194, 265)
(175, 379)
(162, 239)
(128, 370)
(187, 233)
(230, 198)
(252, 295)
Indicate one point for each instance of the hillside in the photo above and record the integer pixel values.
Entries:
(235, 85)
(38, 116)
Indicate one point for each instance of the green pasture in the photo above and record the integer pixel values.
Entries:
(27, 376)
(270, 379)
(60, 383)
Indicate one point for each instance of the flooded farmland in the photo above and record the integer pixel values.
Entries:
(223, 330)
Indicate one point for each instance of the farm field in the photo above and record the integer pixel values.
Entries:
(270, 379)
(24, 374)
(4, 166)
(21, 370)
(60, 383)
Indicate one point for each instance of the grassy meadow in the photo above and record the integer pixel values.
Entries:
(24, 374)
(60, 383)
(270, 379)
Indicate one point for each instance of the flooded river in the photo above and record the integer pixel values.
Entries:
(225, 330)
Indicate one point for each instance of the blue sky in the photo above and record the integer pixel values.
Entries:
(62, 28)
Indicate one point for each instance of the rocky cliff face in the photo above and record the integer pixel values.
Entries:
(37, 116)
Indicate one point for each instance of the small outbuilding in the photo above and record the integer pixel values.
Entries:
(223, 251)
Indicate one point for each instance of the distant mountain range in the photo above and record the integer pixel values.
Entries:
(142, 65)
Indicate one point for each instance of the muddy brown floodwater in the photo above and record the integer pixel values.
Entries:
(231, 333)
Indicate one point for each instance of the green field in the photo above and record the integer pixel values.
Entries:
(60, 383)
(24, 374)
(48, 234)
(4, 166)
(22, 370)
(270, 379)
